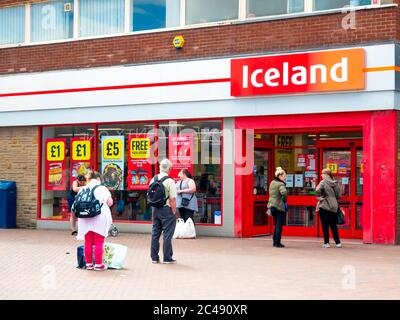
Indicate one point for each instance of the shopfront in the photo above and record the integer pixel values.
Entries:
(230, 122)
(359, 148)
(127, 155)
(303, 155)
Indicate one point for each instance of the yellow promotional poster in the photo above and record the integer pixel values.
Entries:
(284, 158)
(81, 149)
(55, 150)
(112, 162)
(140, 148)
(333, 167)
(81, 158)
(55, 164)
(113, 148)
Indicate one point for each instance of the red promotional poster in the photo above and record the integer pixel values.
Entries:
(81, 157)
(181, 149)
(310, 162)
(139, 164)
(55, 164)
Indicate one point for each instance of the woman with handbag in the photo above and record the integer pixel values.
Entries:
(186, 201)
(328, 193)
(277, 204)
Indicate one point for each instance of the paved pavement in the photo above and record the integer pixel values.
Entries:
(40, 264)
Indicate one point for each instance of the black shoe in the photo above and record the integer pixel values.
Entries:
(274, 245)
(169, 261)
(74, 233)
(280, 245)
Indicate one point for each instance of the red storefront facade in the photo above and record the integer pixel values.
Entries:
(377, 223)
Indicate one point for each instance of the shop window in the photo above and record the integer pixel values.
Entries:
(260, 179)
(128, 157)
(334, 4)
(66, 152)
(257, 8)
(297, 155)
(300, 165)
(127, 174)
(211, 11)
(51, 20)
(204, 162)
(339, 161)
(148, 15)
(12, 25)
(100, 17)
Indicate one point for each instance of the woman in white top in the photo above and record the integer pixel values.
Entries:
(94, 230)
(186, 189)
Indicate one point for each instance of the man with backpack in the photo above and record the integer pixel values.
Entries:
(161, 195)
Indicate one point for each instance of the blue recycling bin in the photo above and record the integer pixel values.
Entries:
(8, 204)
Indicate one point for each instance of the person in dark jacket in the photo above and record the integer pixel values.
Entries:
(328, 193)
(277, 204)
(77, 185)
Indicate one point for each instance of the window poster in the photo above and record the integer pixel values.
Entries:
(333, 167)
(112, 161)
(342, 168)
(289, 181)
(298, 181)
(139, 164)
(181, 147)
(310, 179)
(310, 162)
(81, 157)
(55, 164)
(284, 158)
(301, 160)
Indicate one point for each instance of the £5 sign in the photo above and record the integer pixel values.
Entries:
(336, 70)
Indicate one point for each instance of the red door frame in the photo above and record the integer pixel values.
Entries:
(310, 201)
(250, 229)
(379, 160)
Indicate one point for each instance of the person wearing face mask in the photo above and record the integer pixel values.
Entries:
(277, 204)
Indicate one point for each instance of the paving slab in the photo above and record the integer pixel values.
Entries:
(41, 264)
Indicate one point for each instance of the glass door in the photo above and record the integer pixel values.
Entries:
(260, 221)
(255, 220)
(346, 167)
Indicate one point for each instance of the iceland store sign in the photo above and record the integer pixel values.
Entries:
(336, 70)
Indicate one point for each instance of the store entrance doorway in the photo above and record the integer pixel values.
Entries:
(303, 156)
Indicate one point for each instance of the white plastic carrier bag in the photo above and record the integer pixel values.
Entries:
(114, 255)
(189, 231)
(180, 224)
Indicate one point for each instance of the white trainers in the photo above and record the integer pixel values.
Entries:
(339, 245)
(89, 266)
(326, 245)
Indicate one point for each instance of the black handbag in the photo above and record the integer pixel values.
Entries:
(185, 201)
(340, 216)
